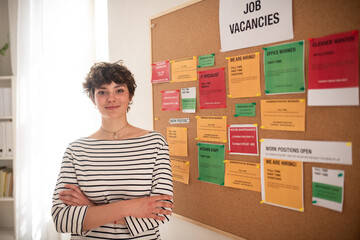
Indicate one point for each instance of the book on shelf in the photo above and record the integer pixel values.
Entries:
(5, 102)
(2, 140)
(6, 139)
(6, 182)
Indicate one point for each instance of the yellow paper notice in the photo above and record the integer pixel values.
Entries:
(244, 175)
(180, 170)
(211, 128)
(283, 183)
(184, 70)
(283, 114)
(177, 140)
(244, 75)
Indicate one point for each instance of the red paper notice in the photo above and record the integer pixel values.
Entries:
(212, 90)
(160, 72)
(170, 100)
(243, 139)
(334, 61)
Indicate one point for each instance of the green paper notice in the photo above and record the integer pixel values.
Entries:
(207, 60)
(284, 68)
(211, 163)
(245, 110)
(188, 103)
(328, 188)
(188, 99)
(327, 192)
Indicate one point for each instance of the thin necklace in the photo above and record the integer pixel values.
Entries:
(116, 133)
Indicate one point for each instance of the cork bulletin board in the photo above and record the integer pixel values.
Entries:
(193, 30)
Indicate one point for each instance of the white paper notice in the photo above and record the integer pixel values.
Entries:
(328, 188)
(179, 120)
(334, 97)
(188, 99)
(251, 23)
(307, 151)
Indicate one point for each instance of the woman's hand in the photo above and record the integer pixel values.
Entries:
(146, 207)
(74, 196)
(150, 207)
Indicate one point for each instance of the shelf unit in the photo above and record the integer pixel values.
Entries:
(7, 234)
(7, 204)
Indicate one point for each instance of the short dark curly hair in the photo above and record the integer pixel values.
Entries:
(104, 73)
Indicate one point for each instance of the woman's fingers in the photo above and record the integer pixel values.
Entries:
(157, 217)
(159, 214)
(164, 205)
(68, 200)
(162, 197)
(69, 203)
(163, 211)
(70, 196)
(74, 196)
(151, 207)
(161, 203)
(69, 193)
(73, 187)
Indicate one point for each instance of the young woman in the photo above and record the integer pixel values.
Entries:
(116, 183)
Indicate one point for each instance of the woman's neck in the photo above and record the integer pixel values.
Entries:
(113, 130)
(113, 125)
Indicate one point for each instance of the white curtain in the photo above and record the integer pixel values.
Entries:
(53, 45)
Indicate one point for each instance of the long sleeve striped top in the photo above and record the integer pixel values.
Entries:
(113, 170)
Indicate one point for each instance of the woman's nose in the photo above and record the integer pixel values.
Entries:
(111, 97)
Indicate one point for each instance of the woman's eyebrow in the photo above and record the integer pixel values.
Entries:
(116, 86)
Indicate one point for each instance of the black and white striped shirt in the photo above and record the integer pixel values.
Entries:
(113, 170)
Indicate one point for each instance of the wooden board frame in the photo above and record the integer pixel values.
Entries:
(192, 29)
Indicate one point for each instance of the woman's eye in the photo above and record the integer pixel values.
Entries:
(120, 91)
(101, 92)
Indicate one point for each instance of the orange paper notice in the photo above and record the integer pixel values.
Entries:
(180, 170)
(244, 175)
(177, 140)
(283, 183)
(211, 128)
(184, 70)
(283, 114)
(244, 75)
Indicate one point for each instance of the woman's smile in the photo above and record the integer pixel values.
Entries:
(112, 107)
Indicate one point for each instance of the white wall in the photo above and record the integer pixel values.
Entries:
(129, 40)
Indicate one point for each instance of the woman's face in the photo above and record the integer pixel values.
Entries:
(112, 100)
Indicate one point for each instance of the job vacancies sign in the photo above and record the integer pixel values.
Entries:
(245, 23)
